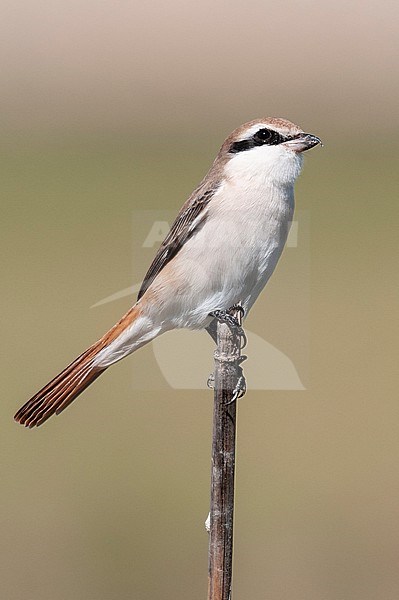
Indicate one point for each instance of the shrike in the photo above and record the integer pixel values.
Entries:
(220, 252)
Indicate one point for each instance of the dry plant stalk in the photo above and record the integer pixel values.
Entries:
(227, 373)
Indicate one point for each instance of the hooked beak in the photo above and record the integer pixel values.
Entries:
(302, 142)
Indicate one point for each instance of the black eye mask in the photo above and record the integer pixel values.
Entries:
(263, 137)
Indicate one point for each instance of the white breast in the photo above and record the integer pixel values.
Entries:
(255, 224)
(232, 256)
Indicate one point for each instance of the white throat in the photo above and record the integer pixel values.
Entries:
(265, 166)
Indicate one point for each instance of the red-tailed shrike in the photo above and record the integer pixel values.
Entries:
(220, 252)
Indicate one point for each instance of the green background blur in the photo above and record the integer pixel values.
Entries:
(112, 107)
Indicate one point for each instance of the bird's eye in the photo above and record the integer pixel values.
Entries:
(262, 137)
(267, 136)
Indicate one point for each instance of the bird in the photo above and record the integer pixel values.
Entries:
(219, 253)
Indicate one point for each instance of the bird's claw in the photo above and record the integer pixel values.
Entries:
(241, 385)
(237, 307)
(225, 316)
(240, 388)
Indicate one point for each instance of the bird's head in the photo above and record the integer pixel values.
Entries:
(268, 148)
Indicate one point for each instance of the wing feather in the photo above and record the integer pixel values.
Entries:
(192, 215)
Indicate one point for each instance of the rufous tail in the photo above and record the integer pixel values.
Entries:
(67, 385)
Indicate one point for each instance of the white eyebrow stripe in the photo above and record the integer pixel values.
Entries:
(252, 130)
(255, 128)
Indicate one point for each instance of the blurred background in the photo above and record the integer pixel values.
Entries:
(112, 108)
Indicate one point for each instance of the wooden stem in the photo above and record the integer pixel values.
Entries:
(227, 372)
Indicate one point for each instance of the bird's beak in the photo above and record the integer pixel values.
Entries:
(302, 142)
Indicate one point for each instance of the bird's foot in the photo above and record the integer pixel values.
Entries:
(241, 385)
(225, 316)
(237, 307)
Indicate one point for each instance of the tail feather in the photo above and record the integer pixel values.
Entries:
(54, 397)
(62, 390)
